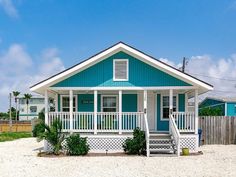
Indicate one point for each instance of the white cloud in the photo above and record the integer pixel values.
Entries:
(9, 8)
(210, 69)
(18, 71)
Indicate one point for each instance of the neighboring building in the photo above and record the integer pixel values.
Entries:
(36, 105)
(226, 105)
(108, 95)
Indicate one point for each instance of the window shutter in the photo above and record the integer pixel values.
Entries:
(121, 70)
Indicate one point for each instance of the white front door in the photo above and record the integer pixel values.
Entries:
(151, 111)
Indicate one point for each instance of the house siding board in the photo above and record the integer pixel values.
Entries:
(129, 102)
(181, 103)
(140, 74)
(231, 109)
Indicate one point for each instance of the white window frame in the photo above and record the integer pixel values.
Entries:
(76, 102)
(117, 101)
(161, 102)
(114, 78)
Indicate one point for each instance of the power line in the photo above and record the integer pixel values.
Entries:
(220, 78)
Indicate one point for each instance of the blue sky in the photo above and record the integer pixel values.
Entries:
(66, 32)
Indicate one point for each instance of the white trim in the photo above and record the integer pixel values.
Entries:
(226, 109)
(95, 101)
(124, 88)
(117, 102)
(71, 109)
(122, 47)
(120, 111)
(196, 110)
(161, 104)
(76, 102)
(127, 68)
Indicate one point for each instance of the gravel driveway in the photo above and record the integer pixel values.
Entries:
(18, 159)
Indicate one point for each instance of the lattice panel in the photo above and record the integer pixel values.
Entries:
(103, 143)
(99, 143)
(189, 142)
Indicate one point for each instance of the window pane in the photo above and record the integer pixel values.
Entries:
(65, 102)
(109, 109)
(33, 109)
(65, 109)
(165, 113)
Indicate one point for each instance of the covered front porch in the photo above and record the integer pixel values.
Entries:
(114, 111)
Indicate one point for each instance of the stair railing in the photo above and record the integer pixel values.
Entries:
(147, 135)
(175, 133)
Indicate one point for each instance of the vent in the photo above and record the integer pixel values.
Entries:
(120, 70)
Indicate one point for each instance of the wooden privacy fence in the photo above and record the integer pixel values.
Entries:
(218, 129)
(17, 126)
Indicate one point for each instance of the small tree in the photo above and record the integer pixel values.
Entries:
(53, 134)
(208, 111)
(16, 94)
(27, 97)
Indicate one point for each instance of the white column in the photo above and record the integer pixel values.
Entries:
(186, 102)
(95, 110)
(196, 110)
(46, 116)
(56, 102)
(171, 101)
(71, 111)
(145, 104)
(120, 111)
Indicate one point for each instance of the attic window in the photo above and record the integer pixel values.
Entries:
(120, 70)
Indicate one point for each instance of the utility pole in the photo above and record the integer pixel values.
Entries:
(183, 67)
(10, 120)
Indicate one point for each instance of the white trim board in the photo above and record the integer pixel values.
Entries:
(112, 50)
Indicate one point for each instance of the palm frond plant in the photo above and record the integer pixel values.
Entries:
(27, 97)
(53, 134)
(16, 94)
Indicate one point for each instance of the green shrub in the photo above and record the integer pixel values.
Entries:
(38, 129)
(75, 145)
(137, 144)
(53, 135)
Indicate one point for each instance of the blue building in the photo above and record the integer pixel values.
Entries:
(226, 105)
(108, 95)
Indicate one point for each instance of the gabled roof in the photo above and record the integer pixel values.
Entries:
(120, 46)
(222, 99)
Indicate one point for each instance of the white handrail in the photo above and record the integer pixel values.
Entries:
(185, 121)
(147, 135)
(175, 133)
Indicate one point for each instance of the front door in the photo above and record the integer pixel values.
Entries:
(151, 111)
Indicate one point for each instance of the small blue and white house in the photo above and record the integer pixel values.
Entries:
(226, 105)
(108, 95)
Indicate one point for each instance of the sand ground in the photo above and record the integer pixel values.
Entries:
(18, 159)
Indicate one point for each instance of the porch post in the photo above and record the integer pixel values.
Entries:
(145, 105)
(56, 102)
(71, 111)
(196, 110)
(46, 116)
(171, 101)
(120, 111)
(95, 110)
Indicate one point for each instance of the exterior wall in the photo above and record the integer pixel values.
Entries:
(129, 102)
(163, 125)
(211, 103)
(140, 74)
(231, 109)
(23, 115)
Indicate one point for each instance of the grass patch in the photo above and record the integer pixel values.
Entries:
(9, 136)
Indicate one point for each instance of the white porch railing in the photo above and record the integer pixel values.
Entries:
(185, 121)
(106, 121)
(175, 133)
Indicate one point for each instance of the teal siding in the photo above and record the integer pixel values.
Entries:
(181, 102)
(59, 102)
(211, 103)
(82, 107)
(231, 109)
(129, 102)
(140, 74)
(163, 125)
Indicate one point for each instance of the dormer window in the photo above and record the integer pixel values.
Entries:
(120, 70)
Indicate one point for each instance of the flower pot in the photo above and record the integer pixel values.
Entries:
(185, 151)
